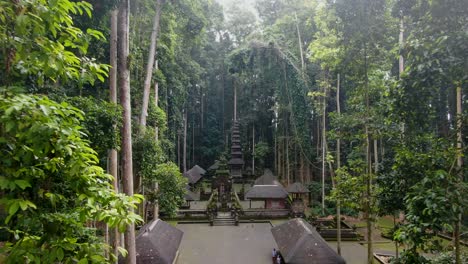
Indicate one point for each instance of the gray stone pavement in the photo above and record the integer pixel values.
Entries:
(246, 243)
(352, 252)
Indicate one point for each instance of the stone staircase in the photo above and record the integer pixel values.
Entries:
(224, 219)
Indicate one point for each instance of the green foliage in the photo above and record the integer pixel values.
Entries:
(434, 201)
(39, 39)
(261, 151)
(52, 187)
(449, 258)
(102, 123)
(171, 187)
(156, 117)
(147, 154)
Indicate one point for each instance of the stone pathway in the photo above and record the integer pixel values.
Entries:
(352, 252)
(246, 243)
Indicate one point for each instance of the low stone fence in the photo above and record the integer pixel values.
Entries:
(265, 213)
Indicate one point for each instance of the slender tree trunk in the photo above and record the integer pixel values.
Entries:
(376, 157)
(149, 66)
(178, 150)
(184, 150)
(156, 135)
(193, 140)
(317, 138)
(253, 148)
(456, 234)
(401, 68)
(280, 168)
(338, 165)
(156, 100)
(401, 64)
(202, 109)
(235, 101)
(324, 140)
(288, 166)
(113, 162)
(124, 84)
(275, 136)
(301, 52)
(302, 168)
(370, 256)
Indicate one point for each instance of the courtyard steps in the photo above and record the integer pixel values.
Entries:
(224, 219)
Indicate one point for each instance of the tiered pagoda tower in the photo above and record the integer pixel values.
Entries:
(236, 163)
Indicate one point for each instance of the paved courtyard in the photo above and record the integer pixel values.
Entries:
(246, 243)
(352, 252)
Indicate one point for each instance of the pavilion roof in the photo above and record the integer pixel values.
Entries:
(274, 191)
(267, 178)
(300, 243)
(194, 174)
(157, 242)
(236, 161)
(215, 166)
(297, 187)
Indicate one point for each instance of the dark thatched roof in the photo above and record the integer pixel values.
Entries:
(157, 242)
(236, 152)
(236, 148)
(297, 187)
(299, 243)
(236, 161)
(266, 191)
(215, 166)
(194, 174)
(266, 179)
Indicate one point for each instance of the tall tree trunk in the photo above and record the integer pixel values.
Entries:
(253, 148)
(401, 63)
(275, 136)
(124, 84)
(401, 68)
(301, 52)
(456, 234)
(113, 162)
(280, 160)
(302, 168)
(193, 141)
(152, 64)
(149, 66)
(202, 118)
(184, 149)
(288, 166)
(235, 101)
(324, 140)
(376, 157)
(178, 150)
(338, 166)
(370, 256)
(156, 138)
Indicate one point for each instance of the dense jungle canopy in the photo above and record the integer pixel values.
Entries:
(362, 101)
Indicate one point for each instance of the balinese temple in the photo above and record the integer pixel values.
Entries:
(236, 163)
(194, 174)
(269, 190)
(299, 194)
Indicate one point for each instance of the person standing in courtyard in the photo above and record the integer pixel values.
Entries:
(278, 259)
(274, 254)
